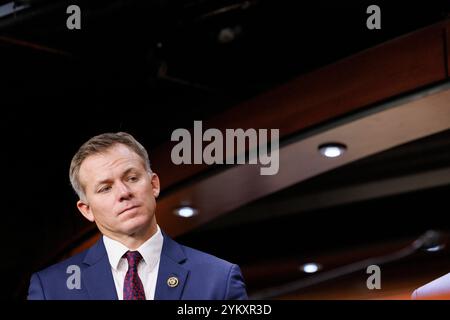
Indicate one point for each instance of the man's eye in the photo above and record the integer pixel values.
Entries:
(104, 189)
(133, 178)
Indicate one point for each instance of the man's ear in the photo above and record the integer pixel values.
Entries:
(155, 184)
(85, 209)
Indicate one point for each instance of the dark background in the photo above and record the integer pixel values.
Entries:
(149, 67)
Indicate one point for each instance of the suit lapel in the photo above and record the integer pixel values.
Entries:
(97, 277)
(170, 267)
(98, 280)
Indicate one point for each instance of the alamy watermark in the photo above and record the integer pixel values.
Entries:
(374, 20)
(74, 280)
(228, 148)
(73, 21)
(374, 280)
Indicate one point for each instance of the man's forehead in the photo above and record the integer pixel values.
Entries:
(100, 165)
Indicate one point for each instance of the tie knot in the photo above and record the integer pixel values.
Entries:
(133, 258)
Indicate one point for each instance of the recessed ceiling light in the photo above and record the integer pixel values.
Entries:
(332, 150)
(185, 211)
(310, 267)
(437, 248)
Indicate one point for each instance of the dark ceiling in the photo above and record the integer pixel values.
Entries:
(370, 218)
(148, 67)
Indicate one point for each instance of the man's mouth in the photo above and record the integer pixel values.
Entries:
(128, 208)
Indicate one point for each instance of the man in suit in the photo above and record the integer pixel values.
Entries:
(134, 259)
(436, 289)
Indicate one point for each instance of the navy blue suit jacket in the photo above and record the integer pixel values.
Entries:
(200, 276)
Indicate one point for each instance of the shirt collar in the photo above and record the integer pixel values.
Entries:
(150, 250)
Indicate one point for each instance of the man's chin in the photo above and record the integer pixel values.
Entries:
(137, 225)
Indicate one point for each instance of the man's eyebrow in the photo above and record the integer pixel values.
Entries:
(102, 182)
(128, 171)
(109, 180)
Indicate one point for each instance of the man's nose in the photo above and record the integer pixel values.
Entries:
(124, 192)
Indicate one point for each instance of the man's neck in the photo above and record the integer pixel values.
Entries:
(135, 240)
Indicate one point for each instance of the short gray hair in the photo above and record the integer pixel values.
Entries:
(99, 144)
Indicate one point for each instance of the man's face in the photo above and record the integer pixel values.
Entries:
(119, 193)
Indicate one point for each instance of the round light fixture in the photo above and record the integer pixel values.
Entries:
(310, 267)
(436, 248)
(185, 211)
(332, 150)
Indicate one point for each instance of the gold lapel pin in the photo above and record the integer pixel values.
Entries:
(172, 282)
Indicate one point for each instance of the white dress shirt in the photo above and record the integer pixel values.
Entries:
(148, 268)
